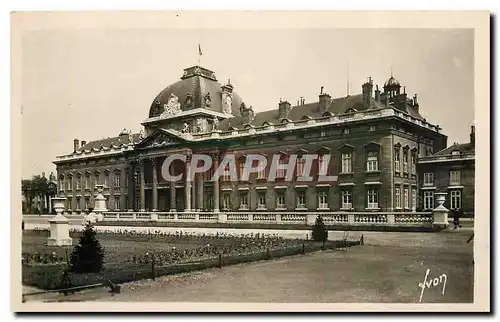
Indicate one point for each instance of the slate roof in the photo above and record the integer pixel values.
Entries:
(464, 148)
(106, 143)
(339, 105)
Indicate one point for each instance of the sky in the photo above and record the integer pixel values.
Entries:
(89, 84)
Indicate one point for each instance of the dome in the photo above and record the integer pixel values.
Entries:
(197, 88)
(392, 82)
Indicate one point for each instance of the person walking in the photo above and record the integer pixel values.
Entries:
(455, 217)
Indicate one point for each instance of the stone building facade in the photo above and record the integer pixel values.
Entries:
(373, 140)
(450, 171)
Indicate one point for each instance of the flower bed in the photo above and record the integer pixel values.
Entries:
(129, 254)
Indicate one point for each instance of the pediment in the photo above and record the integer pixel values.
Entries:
(159, 139)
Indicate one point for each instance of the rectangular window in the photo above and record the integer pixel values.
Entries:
(397, 163)
(244, 200)
(96, 179)
(226, 201)
(69, 183)
(413, 199)
(241, 166)
(372, 161)
(455, 199)
(117, 180)
(406, 198)
(262, 171)
(117, 203)
(87, 203)
(209, 201)
(322, 166)
(346, 199)
(106, 179)
(398, 197)
(301, 199)
(69, 205)
(323, 199)
(280, 200)
(405, 161)
(454, 178)
(226, 175)
(61, 184)
(428, 200)
(428, 179)
(346, 162)
(127, 178)
(78, 181)
(300, 166)
(413, 164)
(372, 198)
(77, 203)
(87, 182)
(261, 202)
(280, 171)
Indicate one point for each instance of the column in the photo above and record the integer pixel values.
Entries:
(173, 205)
(193, 194)
(187, 188)
(142, 206)
(155, 185)
(199, 188)
(73, 190)
(83, 191)
(215, 192)
(131, 187)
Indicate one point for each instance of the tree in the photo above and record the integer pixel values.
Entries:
(88, 255)
(319, 232)
(27, 189)
(40, 187)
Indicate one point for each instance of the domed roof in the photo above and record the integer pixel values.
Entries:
(392, 82)
(198, 88)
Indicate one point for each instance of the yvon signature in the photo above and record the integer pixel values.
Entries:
(432, 282)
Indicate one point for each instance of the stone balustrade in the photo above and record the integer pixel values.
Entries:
(307, 218)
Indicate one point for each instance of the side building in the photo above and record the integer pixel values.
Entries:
(450, 171)
(373, 140)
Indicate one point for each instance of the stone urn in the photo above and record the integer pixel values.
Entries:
(59, 225)
(99, 206)
(440, 213)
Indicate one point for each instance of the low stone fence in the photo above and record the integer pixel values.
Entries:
(421, 219)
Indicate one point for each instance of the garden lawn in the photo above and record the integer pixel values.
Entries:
(388, 268)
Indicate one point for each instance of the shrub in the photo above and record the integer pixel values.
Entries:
(87, 256)
(319, 232)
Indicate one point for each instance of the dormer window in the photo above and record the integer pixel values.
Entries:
(456, 152)
(345, 130)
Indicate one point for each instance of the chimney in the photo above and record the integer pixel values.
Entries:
(43, 174)
(83, 143)
(367, 92)
(473, 134)
(324, 101)
(283, 109)
(377, 94)
(75, 145)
